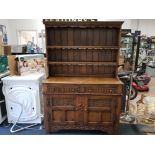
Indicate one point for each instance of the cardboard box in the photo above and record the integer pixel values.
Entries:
(1, 41)
(1, 50)
(4, 49)
(31, 64)
(17, 68)
(7, 49)
(12, 65)
(1, 46)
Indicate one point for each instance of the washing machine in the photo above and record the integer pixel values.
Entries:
(24, 99)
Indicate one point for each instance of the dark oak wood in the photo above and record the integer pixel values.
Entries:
(98, 24)
(82, 63)
(82, 90)
(84, 47)
(83, 80)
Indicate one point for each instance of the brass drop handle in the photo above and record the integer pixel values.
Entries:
(89, 90)
(85, 108)
(79, 105)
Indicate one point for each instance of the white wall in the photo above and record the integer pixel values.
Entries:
(23, 24)
(128, 23)
(6, 23)
(12, 25)
(147, 26)
(133, 24)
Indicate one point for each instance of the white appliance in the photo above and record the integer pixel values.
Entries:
(23, 98)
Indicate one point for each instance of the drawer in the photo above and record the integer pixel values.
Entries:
(82, 89)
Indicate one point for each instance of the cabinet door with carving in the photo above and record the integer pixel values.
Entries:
(64, 109)
(100, 110)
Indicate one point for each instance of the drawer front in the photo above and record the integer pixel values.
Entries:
(83, 89)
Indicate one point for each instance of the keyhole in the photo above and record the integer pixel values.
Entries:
(11, 108)
(33, 108)
(11, 88)
(30, 88)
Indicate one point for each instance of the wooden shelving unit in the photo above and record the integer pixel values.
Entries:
(85, 53)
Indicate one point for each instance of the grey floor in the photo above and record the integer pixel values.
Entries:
(124, 129)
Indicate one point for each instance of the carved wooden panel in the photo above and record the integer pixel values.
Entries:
(82, 105)
(99, 102)
(109, 128)
(101, 110)
(65, 109)
(85, 89)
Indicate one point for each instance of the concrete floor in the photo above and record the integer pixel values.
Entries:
(149, 129)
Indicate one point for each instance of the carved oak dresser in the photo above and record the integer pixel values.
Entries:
(82, 90)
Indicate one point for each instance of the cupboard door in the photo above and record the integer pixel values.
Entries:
(100, 110)
(65, 110)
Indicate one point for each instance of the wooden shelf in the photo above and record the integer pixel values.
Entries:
(106, 75)
(84, 47)
(83, 80)
(82, 63)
